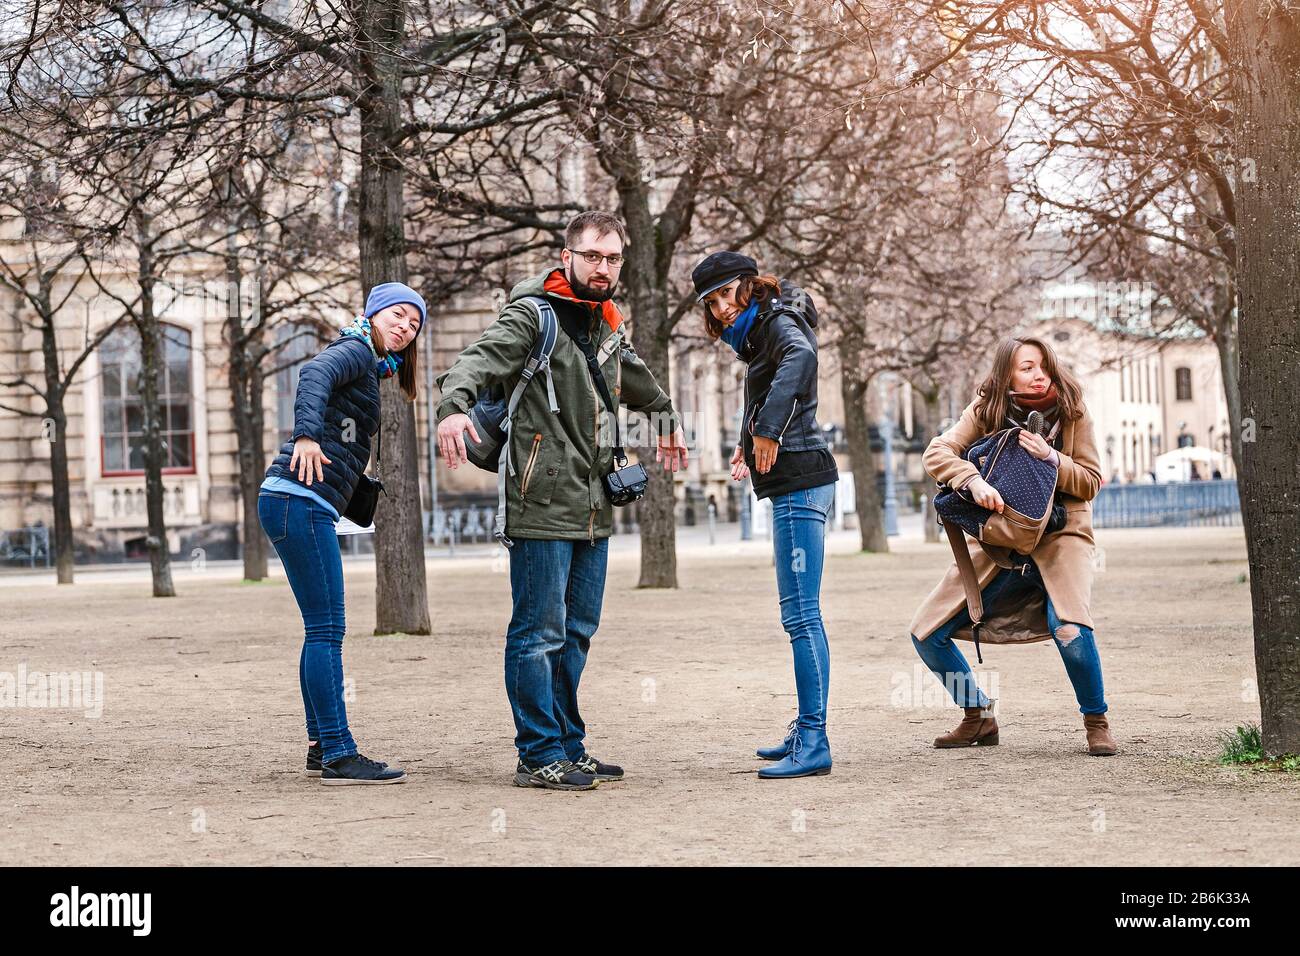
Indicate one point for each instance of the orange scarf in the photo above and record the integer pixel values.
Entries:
(1030, 400)
(557, 284)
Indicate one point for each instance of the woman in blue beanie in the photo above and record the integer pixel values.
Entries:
(307, 488)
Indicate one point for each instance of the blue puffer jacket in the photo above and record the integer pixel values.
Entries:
(337, 405)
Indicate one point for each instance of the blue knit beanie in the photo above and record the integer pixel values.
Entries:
(392, 293)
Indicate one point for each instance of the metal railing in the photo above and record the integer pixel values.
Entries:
(1175, 503)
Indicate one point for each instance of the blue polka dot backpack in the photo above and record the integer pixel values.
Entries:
(1027, 486)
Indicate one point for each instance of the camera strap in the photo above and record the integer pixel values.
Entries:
(583, 341)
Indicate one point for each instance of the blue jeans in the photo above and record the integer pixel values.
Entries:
(303, 535)
(799, 545)
(557, 587)
(949, 665)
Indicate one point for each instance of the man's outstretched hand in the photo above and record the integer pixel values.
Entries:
(451, 438)
(672, 451)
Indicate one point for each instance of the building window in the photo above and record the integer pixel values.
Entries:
(296, 343)
(1183, 384)
(122, 409)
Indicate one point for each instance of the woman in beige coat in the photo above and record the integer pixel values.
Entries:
(1039, 597)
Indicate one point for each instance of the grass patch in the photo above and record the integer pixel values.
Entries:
(1245, 747)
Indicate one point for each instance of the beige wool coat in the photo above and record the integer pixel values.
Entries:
(1064, 558)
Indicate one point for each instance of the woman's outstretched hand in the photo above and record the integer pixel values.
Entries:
(308, 461)
(739, 470)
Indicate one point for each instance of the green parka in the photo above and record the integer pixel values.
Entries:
(560, 458)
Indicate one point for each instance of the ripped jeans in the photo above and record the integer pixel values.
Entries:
(1078, 652)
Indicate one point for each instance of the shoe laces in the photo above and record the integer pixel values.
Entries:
(370, 763)
(554, 771)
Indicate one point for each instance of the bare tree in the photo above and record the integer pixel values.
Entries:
(1122, 121)
(46, 259)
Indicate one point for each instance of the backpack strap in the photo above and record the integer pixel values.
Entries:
(539, 359)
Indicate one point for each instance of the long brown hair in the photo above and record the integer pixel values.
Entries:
(407, 369)
(765, 287)
(993, 401)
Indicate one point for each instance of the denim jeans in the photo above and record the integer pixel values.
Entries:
(557, 587)
(303, 535)
(949, 665)
(799, 545)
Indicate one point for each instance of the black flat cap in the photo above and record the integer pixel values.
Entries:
(716, 270)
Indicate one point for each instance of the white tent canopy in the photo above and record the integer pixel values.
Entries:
(1177, 465)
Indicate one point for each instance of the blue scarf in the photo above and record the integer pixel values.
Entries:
(360, 329)
(734, 334)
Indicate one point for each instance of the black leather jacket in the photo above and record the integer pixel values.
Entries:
(781, 381)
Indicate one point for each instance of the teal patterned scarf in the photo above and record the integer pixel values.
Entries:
(360, 329)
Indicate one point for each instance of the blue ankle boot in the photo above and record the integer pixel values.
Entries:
(781, 749)
(809, 756)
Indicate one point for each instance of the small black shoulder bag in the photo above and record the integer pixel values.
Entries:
(365, 496)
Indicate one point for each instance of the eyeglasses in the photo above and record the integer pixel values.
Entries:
(594, 258)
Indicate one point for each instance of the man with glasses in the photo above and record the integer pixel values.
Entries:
(558, 517)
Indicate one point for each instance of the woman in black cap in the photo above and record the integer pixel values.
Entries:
(769, 322)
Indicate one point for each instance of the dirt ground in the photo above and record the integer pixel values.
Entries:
(196, 757)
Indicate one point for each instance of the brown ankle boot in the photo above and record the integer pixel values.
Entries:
(974, 730)
(1100, 742)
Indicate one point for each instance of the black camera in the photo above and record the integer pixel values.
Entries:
(625, 485)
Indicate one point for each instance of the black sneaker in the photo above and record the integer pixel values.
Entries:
(594, 768)
(357, 769)
(313, 768)
(561, 775)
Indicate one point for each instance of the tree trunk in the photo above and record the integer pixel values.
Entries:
(401, 594)
(146, 323)
(245, 382)
(656, 512)
(862, 461)
(54, 410)
(63, 544)
(929, 429)
(1266, 48)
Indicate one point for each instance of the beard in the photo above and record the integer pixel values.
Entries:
(584, 291)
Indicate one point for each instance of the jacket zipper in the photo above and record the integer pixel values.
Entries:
(528, 468)
(788, 420)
